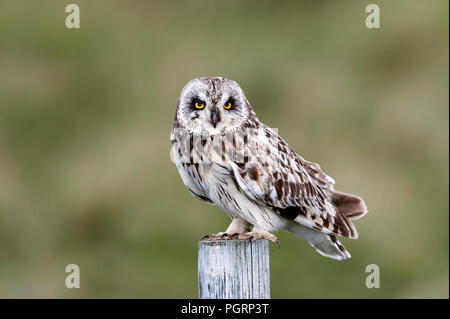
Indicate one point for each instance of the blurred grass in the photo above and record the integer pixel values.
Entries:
(85, 118)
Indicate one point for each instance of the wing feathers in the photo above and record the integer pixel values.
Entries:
(295, 188)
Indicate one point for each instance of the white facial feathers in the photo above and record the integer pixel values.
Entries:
(224, 109)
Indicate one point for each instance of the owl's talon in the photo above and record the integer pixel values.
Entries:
(255, 235)
(250, 236)
(219, 236)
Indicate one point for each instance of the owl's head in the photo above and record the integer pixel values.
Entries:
(210, 106)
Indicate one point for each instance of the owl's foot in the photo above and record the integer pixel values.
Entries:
(256, 234)
(237, 226)
(218, 236)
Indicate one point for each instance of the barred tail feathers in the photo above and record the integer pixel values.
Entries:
(351, 206)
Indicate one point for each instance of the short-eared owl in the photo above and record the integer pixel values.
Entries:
(227, 157)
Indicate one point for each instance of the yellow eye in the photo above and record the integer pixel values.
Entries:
(199, 105)
(227, 106)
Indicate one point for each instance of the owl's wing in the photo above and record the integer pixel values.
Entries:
(296, 189)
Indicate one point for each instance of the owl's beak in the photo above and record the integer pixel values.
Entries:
(215, 117)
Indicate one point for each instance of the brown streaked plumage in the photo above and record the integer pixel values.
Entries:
(252, 174)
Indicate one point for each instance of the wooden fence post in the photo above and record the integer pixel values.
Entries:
(233, 269)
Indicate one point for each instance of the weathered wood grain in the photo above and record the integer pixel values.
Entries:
(233, 269)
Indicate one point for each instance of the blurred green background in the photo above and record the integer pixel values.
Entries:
(85, 118)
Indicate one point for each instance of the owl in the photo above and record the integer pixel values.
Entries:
(227, 157)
